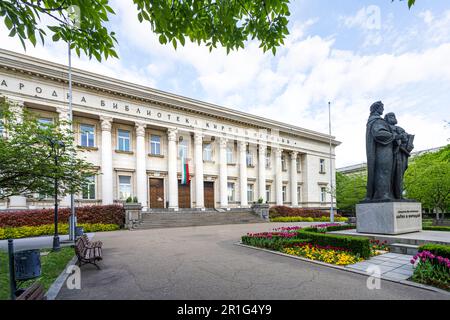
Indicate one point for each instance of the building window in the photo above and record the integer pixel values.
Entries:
(207, 152)
(230, 187)
(283, 162)
(268, 156)
(155, 145)
(283, 189)
(250, 192)
(249, 159)
(323, 194)
(45, 122)
(299, 165)
(268, 192)
(124, 140)
(230, 154)
(322, 166)
(87, 135)
(183, 149)
(124, 187)
(299, 194)
(89, 188)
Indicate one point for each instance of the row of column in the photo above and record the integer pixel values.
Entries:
(141, 172)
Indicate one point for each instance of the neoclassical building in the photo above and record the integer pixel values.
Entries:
(142, 139)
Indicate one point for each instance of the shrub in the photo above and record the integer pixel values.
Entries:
(48, 229)
(273, 243)
(306, 219)
(357, 245)
(436, 249)
(436, 228)
(111, 214)
(431, 269)
(284, 211)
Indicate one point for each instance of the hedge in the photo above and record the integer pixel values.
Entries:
(436, 228)
(436, 249)
(48, 229)
(111, 214)
(307, 219)
(275, 243)
(330, 228)
(284, 211)
(357, 245)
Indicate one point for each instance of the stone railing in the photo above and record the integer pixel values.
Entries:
(133, 215)
(261, 210)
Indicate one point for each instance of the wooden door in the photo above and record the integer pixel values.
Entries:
(156, 193)
(208, 187)
(184, 195)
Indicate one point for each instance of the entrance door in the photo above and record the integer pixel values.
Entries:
(184, 195)
(156, 193)
(208, 187)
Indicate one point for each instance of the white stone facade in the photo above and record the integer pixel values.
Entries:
(135, 136)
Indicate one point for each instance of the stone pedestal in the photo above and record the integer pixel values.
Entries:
(17, 202)
(133, 215)
(395, 217)
(262, 210)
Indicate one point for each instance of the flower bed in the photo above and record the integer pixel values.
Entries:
(284, 211)
(328, 254)
(307, 219)
(431, 269)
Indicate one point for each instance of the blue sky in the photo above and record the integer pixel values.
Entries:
(350, 52)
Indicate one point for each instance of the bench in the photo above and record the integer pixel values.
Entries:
(33, 292)
(88, 252)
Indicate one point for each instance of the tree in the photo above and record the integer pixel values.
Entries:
(350, 189)
(212, 22)
(27, 163)
(428, 180)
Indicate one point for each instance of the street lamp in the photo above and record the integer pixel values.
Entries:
(58, 147)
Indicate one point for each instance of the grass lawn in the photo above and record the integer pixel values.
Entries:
(51, 266)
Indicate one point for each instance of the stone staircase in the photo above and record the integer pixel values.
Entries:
(189, 218)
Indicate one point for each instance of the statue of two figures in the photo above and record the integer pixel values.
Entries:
(388, 148)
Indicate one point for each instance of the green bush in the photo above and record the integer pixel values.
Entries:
(307, 219)
(274, 243)
(48, 229)
(436, 228)
(436, 249)
(357, 245)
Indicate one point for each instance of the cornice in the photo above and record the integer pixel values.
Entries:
(24, 64)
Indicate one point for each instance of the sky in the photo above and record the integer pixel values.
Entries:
(351, 53)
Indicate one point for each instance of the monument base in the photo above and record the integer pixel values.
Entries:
(394, 217)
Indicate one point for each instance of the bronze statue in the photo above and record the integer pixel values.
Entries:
(388, 148)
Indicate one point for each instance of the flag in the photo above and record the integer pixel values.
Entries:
(185, 178)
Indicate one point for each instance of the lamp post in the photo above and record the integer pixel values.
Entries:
(57, 147)
(331, 165)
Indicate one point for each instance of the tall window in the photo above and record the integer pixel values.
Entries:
(124, 187)
(268, 192)
(323, 194)
(89, 188)
(229, 154)
(207, 152)
(299, 165)
(87, 135)
(230, 188)
(250, 192)
(268, 162)
(283, 162)
(249, 158)
(322, 166)
(284, 193)
(124, 140)
(183, 149)
(299, 194)
(155, 144)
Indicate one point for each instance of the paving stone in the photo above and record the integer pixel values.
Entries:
(392, 264)
(403, 271)
(395, 276)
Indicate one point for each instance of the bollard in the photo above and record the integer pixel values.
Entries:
(12, 276)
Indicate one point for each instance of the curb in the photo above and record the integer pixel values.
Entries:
(404, 282)
(54, 289)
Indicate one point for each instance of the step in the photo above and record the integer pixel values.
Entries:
(403, 248)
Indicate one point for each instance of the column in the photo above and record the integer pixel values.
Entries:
(262, 171)
(107, 169)
(141, 169)
(198, 155)
(223, 175)
(172, 169)
(294, 198)
(310, 188)
(278, 178)
(243, 172)
(17, 202)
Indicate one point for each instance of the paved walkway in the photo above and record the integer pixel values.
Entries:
(393, 266)
(204, 263)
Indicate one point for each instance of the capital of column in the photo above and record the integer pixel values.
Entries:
(140, 129)
(106, 123)
(223, 142)
(294, 155)
(198, 138)
(242, 145)
(172, 134)
(278, 152)
(63, 113)
(262, 148)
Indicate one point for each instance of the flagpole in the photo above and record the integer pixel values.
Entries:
(331, 164)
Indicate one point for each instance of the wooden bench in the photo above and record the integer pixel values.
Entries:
(33, 292)
(88, 252)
